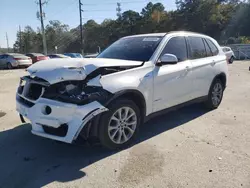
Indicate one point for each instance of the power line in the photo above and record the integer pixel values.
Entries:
(98, 10)
(65, 44)
(123, 2)
(73, 34)
(73, 2)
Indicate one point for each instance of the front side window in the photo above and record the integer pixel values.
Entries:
(197, 48)
(132, 48)
(212, 46)
(176, 46)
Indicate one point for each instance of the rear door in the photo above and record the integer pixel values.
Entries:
(172, 82)
(203, 62)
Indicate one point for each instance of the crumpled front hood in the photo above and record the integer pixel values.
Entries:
(57, 70)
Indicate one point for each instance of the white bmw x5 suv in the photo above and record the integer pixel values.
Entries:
(110, 96)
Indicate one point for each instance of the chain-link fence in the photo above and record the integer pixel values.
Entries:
(241, 51)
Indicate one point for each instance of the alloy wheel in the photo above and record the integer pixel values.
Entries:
(217, 94)
(122, 125)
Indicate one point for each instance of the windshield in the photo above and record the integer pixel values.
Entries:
(132, 48)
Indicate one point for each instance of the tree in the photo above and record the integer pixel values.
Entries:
(225, 20)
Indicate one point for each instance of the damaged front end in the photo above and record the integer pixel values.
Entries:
(60, 111)
(61, 97)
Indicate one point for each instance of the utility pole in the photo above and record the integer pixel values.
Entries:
(7, 39)
(20, 39)
(118, 10)
(41, 15)
(80, 12)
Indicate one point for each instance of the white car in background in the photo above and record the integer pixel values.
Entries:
(14, 60)
(229, 54)
(134, 79)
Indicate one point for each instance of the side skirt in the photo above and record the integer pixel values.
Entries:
(173, 108)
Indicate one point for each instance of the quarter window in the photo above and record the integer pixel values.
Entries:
(208, 50)
(212, 46)
(197, 47)
(176, 46)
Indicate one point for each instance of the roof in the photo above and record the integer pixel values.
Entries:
(148, 35)
(163, 34)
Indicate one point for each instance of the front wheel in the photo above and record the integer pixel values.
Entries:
(119, 125)
(215, 94)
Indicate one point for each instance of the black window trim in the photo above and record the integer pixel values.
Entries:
(188, 48)
(207, 39)
(187, 52)
(204, 41)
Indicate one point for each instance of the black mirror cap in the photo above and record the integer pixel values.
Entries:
(158, 64)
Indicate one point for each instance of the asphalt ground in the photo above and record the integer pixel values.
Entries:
(191, 147)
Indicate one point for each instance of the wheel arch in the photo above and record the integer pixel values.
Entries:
(133, 95)
(136, 96)
(222, 76)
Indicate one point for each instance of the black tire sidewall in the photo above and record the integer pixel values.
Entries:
(231, 60)
(9, 66)
(104, 122)
(209, 101)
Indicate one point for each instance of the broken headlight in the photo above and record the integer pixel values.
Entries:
(75, 92)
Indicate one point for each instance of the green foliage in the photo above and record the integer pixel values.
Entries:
(225, 20)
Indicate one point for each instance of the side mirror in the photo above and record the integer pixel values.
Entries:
(167, 59)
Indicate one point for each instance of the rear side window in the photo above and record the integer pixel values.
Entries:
(176, 46)
(197, 48)
(212, 46)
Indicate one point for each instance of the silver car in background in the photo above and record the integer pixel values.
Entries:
(13, 60)
(229, 54)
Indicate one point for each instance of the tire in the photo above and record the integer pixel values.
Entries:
(111, 126)
(215, 94)
(231, 60)
(9, 66)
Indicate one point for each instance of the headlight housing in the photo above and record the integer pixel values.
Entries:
(76, 92)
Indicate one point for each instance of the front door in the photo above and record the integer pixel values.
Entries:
(173, 83)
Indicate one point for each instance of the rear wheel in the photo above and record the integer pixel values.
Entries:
(231, 60)
(119, 126)
(215, 94)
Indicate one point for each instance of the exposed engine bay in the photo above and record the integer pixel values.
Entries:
(78, 92)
